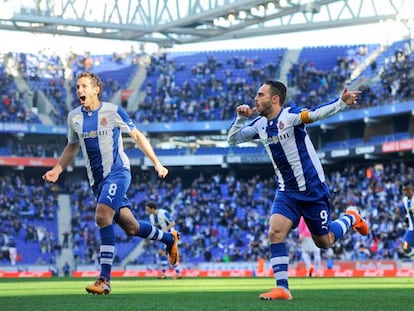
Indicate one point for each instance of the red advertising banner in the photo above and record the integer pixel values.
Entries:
(249, 273)
(400, 145)
(29, 162)
(373, 268)
(25, 274)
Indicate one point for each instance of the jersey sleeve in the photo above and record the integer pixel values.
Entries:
(71, 135)
(401, 208)
(318, 113)
(239, 133)
(124, 122)
(152, 219)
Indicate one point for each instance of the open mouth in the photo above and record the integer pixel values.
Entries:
(82, 98)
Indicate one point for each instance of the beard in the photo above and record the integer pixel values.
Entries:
(265, 109)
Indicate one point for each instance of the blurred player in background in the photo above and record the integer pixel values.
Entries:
(302, 189)
(407, 211)
(161, 219)
(96, 127)
(310, 252)
(162, 261)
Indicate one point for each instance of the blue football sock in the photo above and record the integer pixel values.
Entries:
(280, 263)
(149, 232)
(107, 250)
(340, 226)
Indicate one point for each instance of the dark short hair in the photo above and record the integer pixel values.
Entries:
(277, 88)
(407, 183)
(151, 205)
(95, 79)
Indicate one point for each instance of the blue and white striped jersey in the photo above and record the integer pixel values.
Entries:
(99, 134)
(161, 220)
(408, 211)
(285, 138)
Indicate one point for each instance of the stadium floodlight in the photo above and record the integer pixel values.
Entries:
(231, 17)
(283, 3)
(271, 6)
(242, 15)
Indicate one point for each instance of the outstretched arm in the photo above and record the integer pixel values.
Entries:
(67, 157)
(347, 98)
(145, 146)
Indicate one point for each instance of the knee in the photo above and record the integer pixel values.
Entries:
(323, 244)
(279, 226)
(101, 220)
(104, 215)
(406, 248)
(131, 230)
(275, 235)
(325, 241)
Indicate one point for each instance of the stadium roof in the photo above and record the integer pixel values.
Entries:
(174, 22)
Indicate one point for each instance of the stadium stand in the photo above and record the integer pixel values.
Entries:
(223, 215)
(199, 86)
(216, 212)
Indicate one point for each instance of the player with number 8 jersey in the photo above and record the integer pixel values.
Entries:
(96, 128)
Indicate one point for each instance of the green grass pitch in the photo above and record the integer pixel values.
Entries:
(208, 294)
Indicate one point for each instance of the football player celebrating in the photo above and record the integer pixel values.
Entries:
(407, 211)
(96, 128)
(302, 190)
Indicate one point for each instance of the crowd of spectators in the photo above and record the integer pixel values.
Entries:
(201, 93)
(396, 75)
(223, 218)
(40, 150)
(209, 89)
(227, 217)
(13, 107)
(28, 217)
(314, 86)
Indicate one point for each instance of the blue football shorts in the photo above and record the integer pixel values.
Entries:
(409, 237)
(314, 205)
(112, 190)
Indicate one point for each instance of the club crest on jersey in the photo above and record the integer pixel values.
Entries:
(280, 125)
(104, 121)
